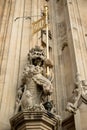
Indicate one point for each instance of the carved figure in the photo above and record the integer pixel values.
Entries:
(80, 92)
(36, 84)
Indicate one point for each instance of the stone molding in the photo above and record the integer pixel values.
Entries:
(33, 120)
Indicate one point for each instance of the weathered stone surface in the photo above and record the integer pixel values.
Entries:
(33, 121)
(36, 86)
(68, 24)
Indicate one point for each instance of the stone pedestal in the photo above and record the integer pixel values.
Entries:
(33, 121)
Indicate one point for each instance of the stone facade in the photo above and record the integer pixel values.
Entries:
(68, 50)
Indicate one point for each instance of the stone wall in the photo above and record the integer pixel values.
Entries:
(68, 25)
(15, 42)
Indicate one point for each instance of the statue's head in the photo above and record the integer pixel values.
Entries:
(36, 56)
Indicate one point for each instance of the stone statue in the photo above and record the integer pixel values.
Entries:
(79, 94)
(36, 87)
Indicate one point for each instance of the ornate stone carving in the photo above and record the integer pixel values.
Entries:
(79, 94)
(36, 85)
